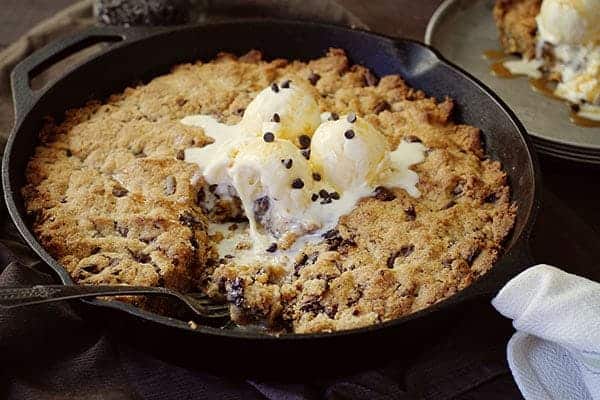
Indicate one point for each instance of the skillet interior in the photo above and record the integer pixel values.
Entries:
(145, 54)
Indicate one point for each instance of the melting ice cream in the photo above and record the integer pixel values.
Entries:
(295, 175)
(570, 31)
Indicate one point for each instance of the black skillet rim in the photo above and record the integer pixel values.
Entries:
(148, 34)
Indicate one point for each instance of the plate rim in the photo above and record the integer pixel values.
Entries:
(434, 21)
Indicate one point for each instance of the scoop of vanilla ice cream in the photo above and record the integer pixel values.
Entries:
(348, 154)
(297, 111)
(569, 21)
(264, 176)
(580, 73)
(283, 193)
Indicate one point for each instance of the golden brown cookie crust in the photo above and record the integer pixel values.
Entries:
(516, 22)
(112, 200)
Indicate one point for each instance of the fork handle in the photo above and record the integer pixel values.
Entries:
(11, 297)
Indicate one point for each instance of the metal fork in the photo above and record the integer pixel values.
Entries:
(12, 297)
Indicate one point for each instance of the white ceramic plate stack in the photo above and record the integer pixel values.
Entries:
(463, 31)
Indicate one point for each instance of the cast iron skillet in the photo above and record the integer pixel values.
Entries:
(140, 54)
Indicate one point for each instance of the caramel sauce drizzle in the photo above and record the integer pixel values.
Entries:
(494, 54)
(498, 69)
(541, 85)
(581, 121)
(545, 87)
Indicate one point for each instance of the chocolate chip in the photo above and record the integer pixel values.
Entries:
(268, 137)
(370, 79)
(330, 234)
(301, 263)
(404, 251)
(276, 118)
(119, 191)
(287, 163)
(316, 176)
(333, 117)
(334, 243)
(413, 139)
(147, 238)
(180, 154)
(334, 195)
(490, 198)
(345, 246)
(91, 268)
(170, 185)
(314, 197)
(123, 230)
(392, 259)
(33, 215)
(188, 219)
(458, 189)
(331, 311)
(200, 196)
(142, 258)
(349, 243)
(286, 84)
(313, 78)
(304, 141)
(272, 248)
(381, 106)
(221, 283)
(351, 117)
(313, 306)
(68, 152)
(450, 204)
(324, 194)
(384, 194)
(261, 206)
(349, 134)
(297, 183)
(306, 153)
(474, 254)
(275, 88)
(212, 188)
(410, 212)
(407, 250)
(235, 294)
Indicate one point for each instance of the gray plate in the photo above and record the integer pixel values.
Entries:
(462, 30)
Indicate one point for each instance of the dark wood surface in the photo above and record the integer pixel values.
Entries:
(18, 16)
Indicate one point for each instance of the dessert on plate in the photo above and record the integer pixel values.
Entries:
(312, 196)
(558, 42)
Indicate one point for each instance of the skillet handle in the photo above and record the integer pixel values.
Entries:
(24, 97)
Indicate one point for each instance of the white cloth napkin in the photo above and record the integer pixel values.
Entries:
(555, 353)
